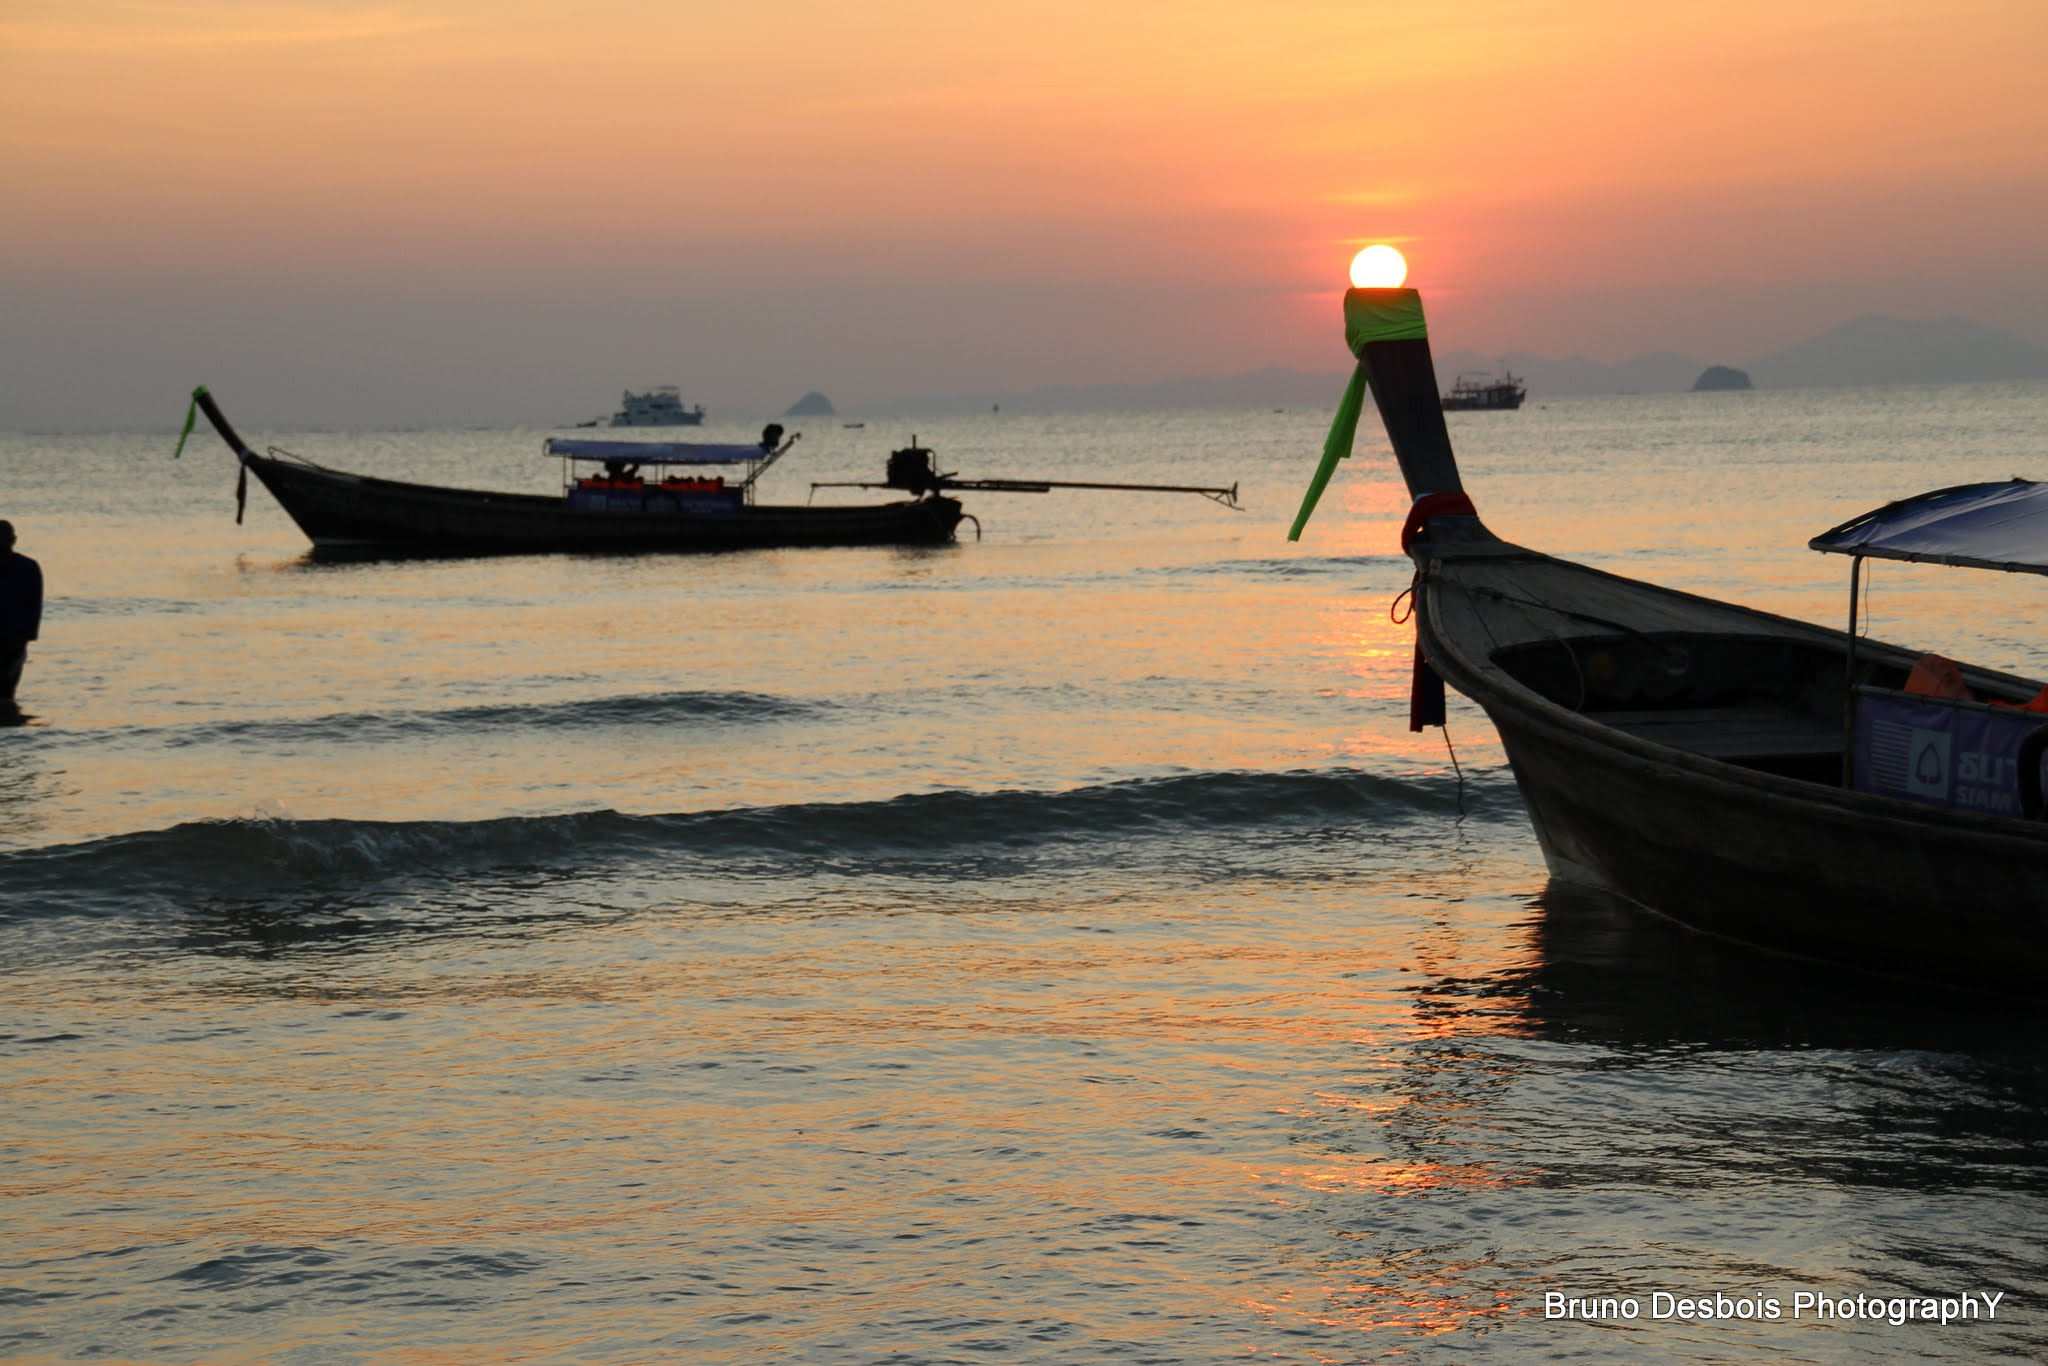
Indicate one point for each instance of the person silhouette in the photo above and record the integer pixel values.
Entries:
(21, 610)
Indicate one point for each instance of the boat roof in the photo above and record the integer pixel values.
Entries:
(2001, 525)
(653, 452)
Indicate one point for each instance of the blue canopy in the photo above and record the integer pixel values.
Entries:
(653, 452)
(1980, 526)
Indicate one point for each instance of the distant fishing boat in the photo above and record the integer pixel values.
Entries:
(617, 495)
(1781, 783)
(1476, 390)
(661, 406)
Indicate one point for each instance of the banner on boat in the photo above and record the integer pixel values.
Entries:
(1941, 751)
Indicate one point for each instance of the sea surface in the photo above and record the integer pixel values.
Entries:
(1052, 947)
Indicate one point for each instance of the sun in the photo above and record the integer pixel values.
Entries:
(1378, 267)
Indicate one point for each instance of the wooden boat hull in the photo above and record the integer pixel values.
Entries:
(1686, 754)
(362, 514)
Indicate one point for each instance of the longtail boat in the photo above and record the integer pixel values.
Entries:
(636, 496)
(1777, 782)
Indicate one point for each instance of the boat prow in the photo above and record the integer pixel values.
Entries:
(1720, 765)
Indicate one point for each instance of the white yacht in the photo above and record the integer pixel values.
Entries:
(661, 406)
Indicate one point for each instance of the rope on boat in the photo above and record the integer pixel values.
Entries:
(1394, 612)
(1577, 672)
(1456, 768)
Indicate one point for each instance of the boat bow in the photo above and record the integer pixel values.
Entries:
(1685, 752)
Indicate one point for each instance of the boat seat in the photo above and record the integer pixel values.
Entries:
(1732, 733)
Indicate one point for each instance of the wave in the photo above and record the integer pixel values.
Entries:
(1297, 566)
(668, 709)
(934, 834)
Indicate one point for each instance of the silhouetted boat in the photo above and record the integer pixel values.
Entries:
(616, 510)
(1690, 753)
(1476, 391)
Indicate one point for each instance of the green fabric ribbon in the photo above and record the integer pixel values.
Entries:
(1370, 315)
(191, 416)
(1377, 315)
(1338, 447)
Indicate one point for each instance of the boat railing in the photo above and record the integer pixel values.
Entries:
(623, 462)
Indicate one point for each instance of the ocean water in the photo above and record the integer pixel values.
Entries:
(1047, 948)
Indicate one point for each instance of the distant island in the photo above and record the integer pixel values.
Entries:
(813, 404)
(1722, 377)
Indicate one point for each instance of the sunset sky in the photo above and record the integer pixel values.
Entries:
(506, 212)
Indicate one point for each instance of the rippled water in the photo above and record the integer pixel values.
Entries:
(1048, 948)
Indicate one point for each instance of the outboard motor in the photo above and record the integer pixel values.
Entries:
(912, 468)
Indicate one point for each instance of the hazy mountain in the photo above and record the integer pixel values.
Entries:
(1870, 350)
(1877, 350)
(1718, 377)
(813, 404)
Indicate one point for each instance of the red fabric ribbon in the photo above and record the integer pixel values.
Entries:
(1434, 505)
(1425, 694)
(1426, 687)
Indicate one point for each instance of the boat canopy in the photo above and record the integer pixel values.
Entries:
(1980, 526)
(653, 452)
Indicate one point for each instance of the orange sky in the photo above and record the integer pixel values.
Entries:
(469, 211)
